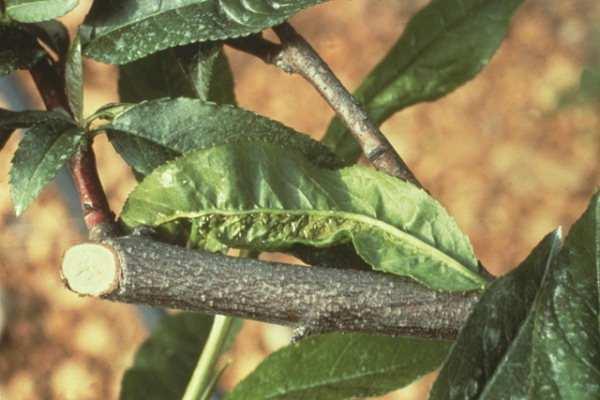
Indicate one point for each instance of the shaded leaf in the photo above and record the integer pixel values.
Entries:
(181, 125)
(164, 363)
(550, 350)
(18, 49)
(74, 79)
(120, 31)
(490, 354)
(444, 45)
(53, 33)
(265, 197)
(196, 71)
(42, 152)
(38, 10)
(341, 366)
(11, 120)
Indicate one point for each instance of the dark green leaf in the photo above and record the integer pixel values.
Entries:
(493, 346)
(74, 79)
(120, 31)
(41, 153)
(181, 125)
(341, 366)
(18, 49)
(444, 45)
(11, 120)
(53, 33)
(38, 10)
(197, 71)
(164, 363)
(536, 333)
(265, 197)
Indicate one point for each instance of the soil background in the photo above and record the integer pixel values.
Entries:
(512, 155)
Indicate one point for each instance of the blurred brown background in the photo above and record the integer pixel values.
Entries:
(508, 154)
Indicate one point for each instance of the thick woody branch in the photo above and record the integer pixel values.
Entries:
(295, 55)
(137, 269)
(98, 217)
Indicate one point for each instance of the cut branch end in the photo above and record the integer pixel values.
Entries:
(91, 269)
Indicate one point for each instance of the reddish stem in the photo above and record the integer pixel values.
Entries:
(97, 215)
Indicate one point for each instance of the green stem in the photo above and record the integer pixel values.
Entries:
(203, 375)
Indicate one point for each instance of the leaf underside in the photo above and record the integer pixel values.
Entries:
(535, 333)
(121, 31)
(268, 198)
(444, 45)
(341, 366)
(74, 79)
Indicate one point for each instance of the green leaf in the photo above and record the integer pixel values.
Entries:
(11, 120)
(74, 79)
(164, 363)
(53, 33)
(491, 350)
(445, 45)
(38, 10)
(197, 71)
(120, 31)
(42, 152)
(341, 366)
(18, 49)
(265, 197)
(537, 331)
(181, 125)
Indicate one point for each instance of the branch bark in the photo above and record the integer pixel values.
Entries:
(137, 269)
(295, 55)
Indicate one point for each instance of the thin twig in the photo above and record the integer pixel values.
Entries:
(98, 217)
(137, 269)
(295, 55)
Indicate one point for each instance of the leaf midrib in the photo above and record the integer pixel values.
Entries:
(417, 243)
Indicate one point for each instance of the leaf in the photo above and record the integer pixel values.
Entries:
(492, 347)
(164, 363)
(444, 45)
(268, 198)
(121, 31)
(11, 120)
(74, 79)
(42, 152)
(53, 33)
(38, 10)
(18, 49)
(181, 125)
(590, 83)
(198, 70)
(537, 331)
(341, 366)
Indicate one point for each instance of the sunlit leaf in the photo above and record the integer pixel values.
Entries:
(38, 10)
(265, 197)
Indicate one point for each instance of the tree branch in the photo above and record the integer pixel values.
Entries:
(137, 269)
(98, 217)
(295, 55)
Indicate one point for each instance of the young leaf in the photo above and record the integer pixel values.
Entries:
(265, 197)
(74, 79)
(41, 153)
(444, 45)
(164, 363)
(121, 31)
(53, 33)
(18, 49)
(197, 71)
(38, 10)
(181, 125)
(549, 350)
(341, 366)
(493, 347)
